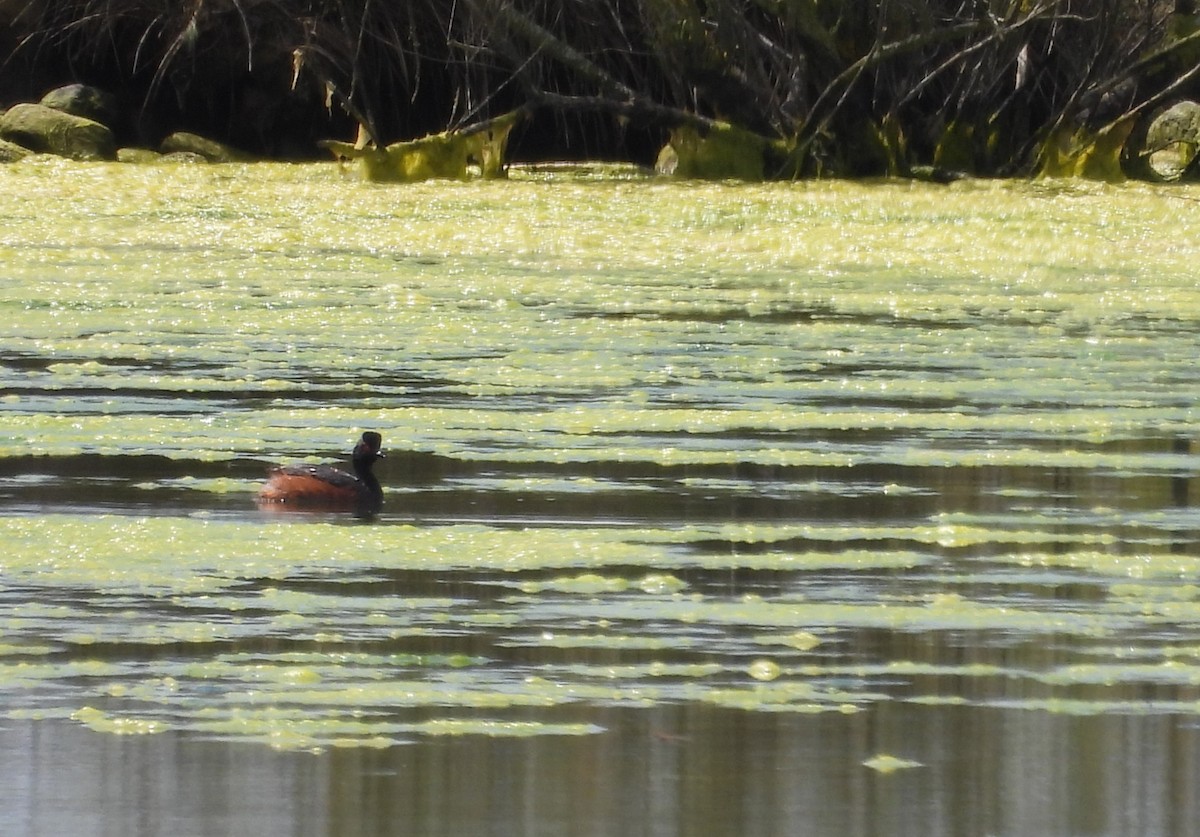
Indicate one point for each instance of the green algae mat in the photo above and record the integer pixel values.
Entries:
(802, 448)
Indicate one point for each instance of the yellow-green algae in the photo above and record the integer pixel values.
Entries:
(417, 254)
(792, 355)
(173, 556)
(888, 763)
(101, 721)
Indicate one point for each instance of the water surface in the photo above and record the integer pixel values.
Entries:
(710, 508)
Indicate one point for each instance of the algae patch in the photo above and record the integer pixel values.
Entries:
(777, 448)
(886, 763)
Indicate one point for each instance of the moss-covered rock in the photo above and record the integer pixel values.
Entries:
(182, 142)
(1178, 123)
(1172, 141)
(10, 152)
(451, 155)
(147, 156)
(724, 152)
(936, 174)
(40, 128)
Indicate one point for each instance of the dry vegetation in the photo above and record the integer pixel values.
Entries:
(835, 86)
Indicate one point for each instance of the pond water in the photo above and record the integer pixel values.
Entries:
(712, 509)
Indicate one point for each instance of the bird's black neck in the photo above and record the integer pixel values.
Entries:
(363, 462)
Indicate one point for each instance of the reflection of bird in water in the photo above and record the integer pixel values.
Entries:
(323, 487)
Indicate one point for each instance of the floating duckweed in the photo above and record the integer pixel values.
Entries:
(782, 696)
(503, 729)
(947, 600)
(290, 740)
(39, 714)
(374, 742)
(633, 673)
(25, 650)
(764, 670)
(300, 676)
(588, 583)
(800, 640)
(605, 640)
(220, 485)
(1086, 708)
(660, 583)
(1145, 565)
(911, 667)
(103, 722)
(1167, 671)
(886, 763)
(1155, 592)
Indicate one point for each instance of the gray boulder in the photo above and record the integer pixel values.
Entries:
(86, 101)
(138, 155)
(44, 129)
(182, 142)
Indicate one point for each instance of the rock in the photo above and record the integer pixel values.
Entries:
(210, 150)
(10, 152)
(937, 174)
(1179, 123)
(86, 101)
(723, 152)
(186, 157)
(40, 128)
(148, 156)
(138, 155)
(1173, 142)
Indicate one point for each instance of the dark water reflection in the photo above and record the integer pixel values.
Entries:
(679, 770)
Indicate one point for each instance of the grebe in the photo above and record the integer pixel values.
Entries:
(324, 487)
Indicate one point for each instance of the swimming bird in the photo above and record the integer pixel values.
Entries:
(325, 487)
